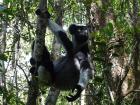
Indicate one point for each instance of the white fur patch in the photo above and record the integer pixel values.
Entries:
(84, 77)
(77, 63)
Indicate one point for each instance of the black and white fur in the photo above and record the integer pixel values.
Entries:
(71, 71)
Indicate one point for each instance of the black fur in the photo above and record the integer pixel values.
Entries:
(43, 14)
(46, 62)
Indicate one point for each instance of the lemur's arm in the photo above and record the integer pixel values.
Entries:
(58, 32)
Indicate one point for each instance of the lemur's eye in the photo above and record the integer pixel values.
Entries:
(79, 30)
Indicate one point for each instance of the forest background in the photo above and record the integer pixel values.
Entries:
(114, 27)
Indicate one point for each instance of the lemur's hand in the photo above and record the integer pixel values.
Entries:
(43, 14)
(71, 98)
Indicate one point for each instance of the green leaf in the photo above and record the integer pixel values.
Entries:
(3, 57)
(0, 70)
(102, 43)
(109, 29)
(98, 79)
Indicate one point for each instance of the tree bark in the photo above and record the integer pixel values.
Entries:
(2, 67)
(33, 91)
(136, 60)
(87, 96)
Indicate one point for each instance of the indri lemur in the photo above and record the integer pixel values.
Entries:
(71, 71)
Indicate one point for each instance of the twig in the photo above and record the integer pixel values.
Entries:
(24, 73)
(129, 92)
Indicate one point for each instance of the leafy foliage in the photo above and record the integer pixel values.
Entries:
(111, 20)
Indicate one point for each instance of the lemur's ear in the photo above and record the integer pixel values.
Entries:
(43, 14)
(48, 15)
(72, 29)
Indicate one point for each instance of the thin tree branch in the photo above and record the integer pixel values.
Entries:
(129, 92)
(24, 73)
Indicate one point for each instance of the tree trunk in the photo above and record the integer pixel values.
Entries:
(2, 67)
(87, 97)
(33, 91)
(136, 60)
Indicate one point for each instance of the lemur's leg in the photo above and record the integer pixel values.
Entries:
(82, 63)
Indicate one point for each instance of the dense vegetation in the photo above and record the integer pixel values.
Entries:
(114, 27)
